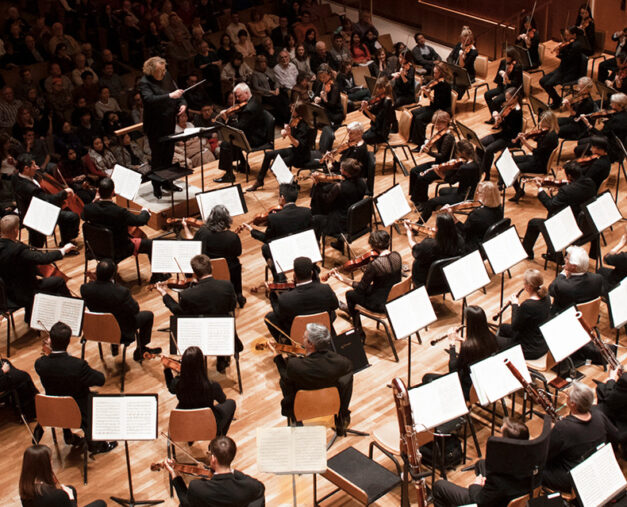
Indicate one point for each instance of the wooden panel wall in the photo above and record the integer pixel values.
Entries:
(610, 16)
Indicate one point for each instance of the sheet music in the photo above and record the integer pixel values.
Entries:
(164, 253)
(410, 313)
(124, 417)
(186, 132)
(599, 478)
(466, 275)
(230, 197)
(507, 168)
(42, 216)
(604, 212)
(504, 251)
(292, 450)
(564, 334)
(562, 229)
(437, 402)
(49, 310)
(281, 171)
(618, 304)
(392, 205)
(493, 380)
(285, 250)
(126, 181)
(215, 336)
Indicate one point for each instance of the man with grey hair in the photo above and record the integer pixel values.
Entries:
(321, 367)
(575, 436)
(285, 71)
(358, 149)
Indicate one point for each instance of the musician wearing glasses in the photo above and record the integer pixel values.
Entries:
(571, 128)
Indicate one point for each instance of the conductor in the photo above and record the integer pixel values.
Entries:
(160, 111)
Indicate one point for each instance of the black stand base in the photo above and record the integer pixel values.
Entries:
(131, 502)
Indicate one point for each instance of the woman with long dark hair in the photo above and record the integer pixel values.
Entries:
(359, 51)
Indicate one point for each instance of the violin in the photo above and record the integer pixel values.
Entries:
(260, 219)
(48, 270)
(168, 362)
(236, 108)
(546, 182)
(328, 178)
(532, 134)
(585, 24)
(46, 349)
(464, 205)
(194, 222)
(440, 169)
(586, 160)
(262, 344)
(425, 90)
(51, 186)
(557, 49)
(434, 139)
(340, 149)
(420, 228)
(605, 113)
(184, 469)
(280, 285)
(327, 86)
(353, 264)
(377, 99)
(176, 284)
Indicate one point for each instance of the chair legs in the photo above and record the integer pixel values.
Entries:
(139, 276)
(123, 366)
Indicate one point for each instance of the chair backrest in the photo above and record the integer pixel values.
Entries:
(399, 289)
(100, 241)
(497, 228)
(599, 41)
(404, 124)
(359, 219)
(386, 41)
(317, 403)
(359, 74)
(299, 324)
(453, 102)
(590, 311)
(220, 269)
(57, 411)
(192, 425)
(537, 106)
(541, 51)
(526, 84)
(552, 160)
(583, 66)
(344, 99)
(101, 327)
(521, 501)
(481, 66)
(4, 303)
(269, 122)
(436, 281)
(372, 164)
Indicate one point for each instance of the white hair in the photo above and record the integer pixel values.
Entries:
(578, 257)
(355, 125)
(318, 335)
(581, 396)
(242, 87)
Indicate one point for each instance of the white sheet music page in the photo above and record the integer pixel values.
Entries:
(285, 250)
(124, 417)
(493, 380)
(564, 334)
(42, 216)
(507, 168)
(410, 313)
(281, 171)
(599, 478)
(618, 304)
(392, 205)
(164, 253)
(215, 336)
(126, 181)
(229, 197)
(604, 212)
(562, 229)
(437, 402)
(49, 310)
(504, 251)
(292, 450)
(466, 275)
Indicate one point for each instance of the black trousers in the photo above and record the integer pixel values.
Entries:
(421, 118)
(527, 164)
(534, 228)
(495, 98)
(372, 137)
(492, 144)
(229, 153)
(327, 137)
(224, 415)
(162, 154)
(605, 67)
(287, 154)
(68, 227)
(549, 82)
(24, 389)
(570, 129)
(144, 321)
(448, 494)
(447, 196)
(419, 185)
(276, 334)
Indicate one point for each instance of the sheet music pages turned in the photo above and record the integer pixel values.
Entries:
(466, 275)
(410, 313)
(281, 171)
(215, 336)
(493, 380)
(604, 212)
(437, 402)
(285, 250)
(392, 205)
(562, 228)
(504, 251)
(229, 197)
(599, 478)
(126, 181)
(42, 216)
(164, 253)
(564, 334)
(507, 168)
(124, 417)
(49, 310)
(292, 450)
(618, 304)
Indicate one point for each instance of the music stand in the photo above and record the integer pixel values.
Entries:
(235, 137)
(391, 206)
(169, 175)
(316, 116)
(604, 91)
(469, 134)
(602, 213)
(230, 197)
(617, 306)
(397, 162)
(599, 478)
(508, 171)
(186, 135)
(561, 230)
(461, 79)
(522, 55)
(370, 82)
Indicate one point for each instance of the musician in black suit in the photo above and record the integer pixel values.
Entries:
(354, 147)
(585, 24)
(209, 297)
(26, 187)
(598, 167)
(321, 367)
(226, 488)
(529, 38)
(105, 296)
(13, 379)
(327, 95)
(612, 398)
(570, 53)
(160, 111)
(308, 296)
(250, 120)
(381, 113)
(508, 75)
(610, 64)
(617, 258)
(64, 375)
(18, 267)
(571, 126)
(578, 191)
(404, 81)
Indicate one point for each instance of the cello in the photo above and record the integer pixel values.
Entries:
(51, 186)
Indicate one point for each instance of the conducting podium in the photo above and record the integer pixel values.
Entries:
(187, 135)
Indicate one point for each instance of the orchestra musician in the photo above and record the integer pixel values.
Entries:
(611, 64)
(617, 258)
(226, 488)
(381, 112)
(193, 389)
(327, 95)
(527, 318)
(597, 169)
(308, 296)
(404, 81)
(529, 39)
(19, 381)
(617, 78)
(612, 398)
(571, 127)
(508, 75)
(464, 54)
(354, 147)
(585, 23)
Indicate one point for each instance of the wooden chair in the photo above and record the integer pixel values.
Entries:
(481, 74)
(399, 289)
(7, 309)
(103, 328)
(60, 412)
(590, 311)
(522, 501)
(599, 42)
(400, 139)
(220, 269)
(299, 325)
(344, 99)
(191, 425)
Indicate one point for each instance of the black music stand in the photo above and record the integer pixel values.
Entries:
(461, 79)
(199, 132)
(316, 116)
(370, 82)
(236, 138)
(469, 134)
(522, 55)
(169, 175)
(604, 91)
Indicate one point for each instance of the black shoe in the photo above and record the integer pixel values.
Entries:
(338, 245)
(153, 350)
(254, 187)
(102, 447)
(520, 193)
(241, 300)
(38, 433)
(171, 187)
(159, 277)
(222, 364)
(490, 121)
(157, 192)
(74, 440)
(115, 350)
(417, 149)
(225, 179)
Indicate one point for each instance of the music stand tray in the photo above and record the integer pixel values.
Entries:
(461, 79)
(316, 116)
(234, 136)
(468, 133)
(169, 175)
(370, 82)
(523, 56)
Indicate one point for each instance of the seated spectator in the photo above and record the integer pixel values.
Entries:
(180, 51)
(38, 110)
(60, 100)
(310, 41)
(280, 33)
(285, 71)
(371, 41)
(260, 26)
(9, 107)
(207, 61)
(383, 66)
(176, 29)
(24, 120)
(62, 57)
(59, 37)
(269, 51)
(65, 139)
(88, 89)
(301, 28)
(244, 45)
(37, 148)
(359, 51)
(192, 148)
(263, 83)
(88, 127)
(111, 80)
(25, 83)
(236, 71)
(339, 52)
(234, 27)
(128, 153)
(301, 60)
(226, 50)
(111, 123)
(364, 24)
(322, 56)
(33, 53)
(196, 97)
(101, 156)
(291, 46)
(346, 83)
(346, 29)
(105, 103)
(7, 160)
(137, 108)
(54, 72)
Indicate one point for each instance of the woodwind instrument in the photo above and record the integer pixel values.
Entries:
(506, 306)
(444, 337)
(539, 397)
(410, 449)
(605, 351)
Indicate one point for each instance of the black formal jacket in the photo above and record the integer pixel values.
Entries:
(615, 126)
(26, 189)
(598, 170)
(469, 59)
(515, 77)
(250, 121)
(302, 133)
(159, 109)
(220, 244)
(619, 261)
(384, 116)
(468, 177)
(442, 149)
(117, 219)
(477, 223)
(305, 299)
(408, 89)
(223, 490)
(108, 297)
(290, 220)
(576, 289)
(570, 57)
(574, 195)
(612, 398)
(18, 269)
(360, 153)
(526, 321)
(208, 297)
(442, 97)
(511, 125)
(544, 147)
(333, 104)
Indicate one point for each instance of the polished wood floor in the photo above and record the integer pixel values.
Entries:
(372, 404)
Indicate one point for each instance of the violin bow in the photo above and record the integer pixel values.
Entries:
(179, 266)
(200, 463)
(533, 11)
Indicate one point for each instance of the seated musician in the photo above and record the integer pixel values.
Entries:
(330, 201)
(219, 241)
(477, 344)
(354, 147)
(327, 95)
(77, 175)
(321, 367)
(585, 24)
(617, 78)
(597, 165)
(208, 297)
(527, 318)
(298, 154)
(529, 39)
(441, 146)
(510, 122)
(465, 173)
(249, 118)
(464, 55)
(381, 113)
(612, 64)
(193, 389)
(575, 436)
(545, 136)
(308, 296)
(105, 296)
(404, 81)
(25, 187)
(64, 375)
(575, 193)
(489, 489)
(445, 243)
(19, 264)
(226, 488)
(612, 398)
(571, 127)
(508, 75)
(11, 379)
(618, 259)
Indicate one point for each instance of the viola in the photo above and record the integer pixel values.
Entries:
(340, 149)
(426, 89)
(328, 178)
(194, 222)
(280, 285)
(168, 362)
(353, 264)
(184, 469)
(262, 344)
(420, 228)
(562, 45)
(46, 350)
